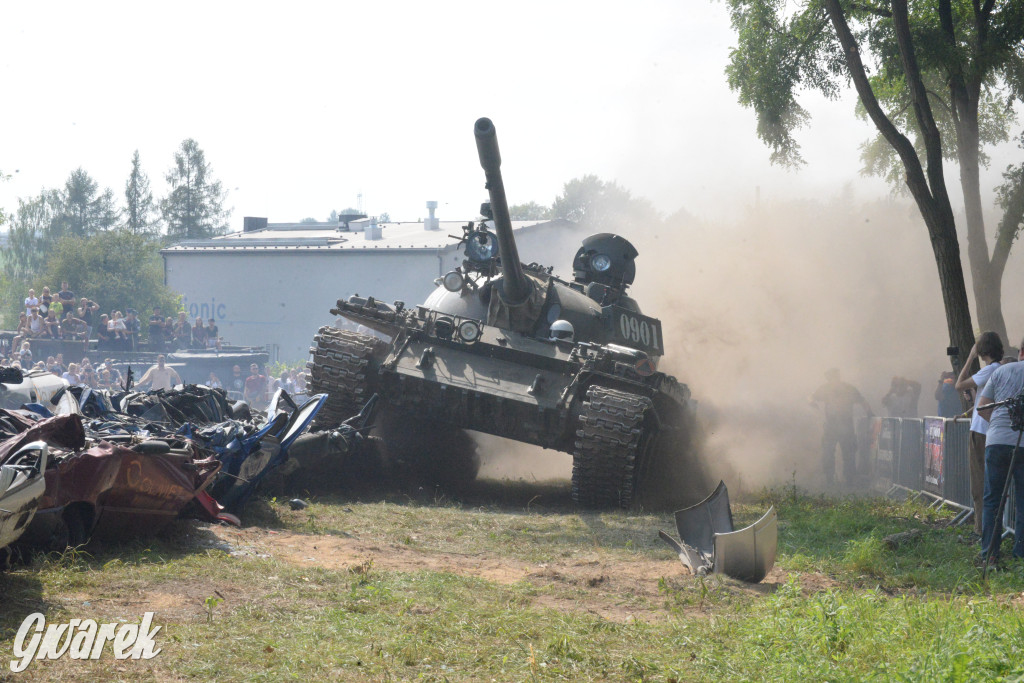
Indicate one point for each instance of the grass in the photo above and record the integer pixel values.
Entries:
(845, 607)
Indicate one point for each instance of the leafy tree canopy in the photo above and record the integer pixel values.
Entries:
(602, 206)
(194, 209)
(937, 79)
(531, 211)
(117, 269)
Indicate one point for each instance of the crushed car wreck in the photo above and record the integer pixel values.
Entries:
(21, 488)
(709, 543)
(127, 463)
(100, 488)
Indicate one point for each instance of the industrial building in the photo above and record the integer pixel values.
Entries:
(273, 284)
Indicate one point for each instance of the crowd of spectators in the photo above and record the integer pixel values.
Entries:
(67, 316)
(179, 333)
(103, 376)
(257, 388)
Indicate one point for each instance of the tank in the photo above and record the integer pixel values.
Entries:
(512, 350)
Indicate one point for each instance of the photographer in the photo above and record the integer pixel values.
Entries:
(1006, 382)
(901, 401)
(86, 311)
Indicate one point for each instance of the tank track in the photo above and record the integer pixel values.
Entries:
(607, 446)
(342, 367)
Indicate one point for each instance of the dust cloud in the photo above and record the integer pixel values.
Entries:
(754, 311)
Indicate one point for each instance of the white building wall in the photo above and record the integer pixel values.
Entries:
(281, 298)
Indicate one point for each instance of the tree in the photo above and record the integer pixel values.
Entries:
(965, 51)
(531, 211)
(27, 243)
(601, 206)
(82, 210)
(138, 201)
(78, 209)
(118, 269)
(194, 207)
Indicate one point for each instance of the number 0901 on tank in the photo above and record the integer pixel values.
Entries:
(635, 330)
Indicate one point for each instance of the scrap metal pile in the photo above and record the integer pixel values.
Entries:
(127, 463)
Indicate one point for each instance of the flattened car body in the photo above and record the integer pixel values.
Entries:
(106, 489)
(21, 488)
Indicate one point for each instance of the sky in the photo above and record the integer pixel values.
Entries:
(301, 107)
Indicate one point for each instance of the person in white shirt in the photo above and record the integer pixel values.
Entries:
(160, 376)
(72, 374)
(989, 348)
(31, 301)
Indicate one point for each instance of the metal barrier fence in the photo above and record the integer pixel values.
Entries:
(925, 456)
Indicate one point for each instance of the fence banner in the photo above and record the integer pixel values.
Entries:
(934, 450)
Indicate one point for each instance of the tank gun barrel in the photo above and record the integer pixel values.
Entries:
(515, 286)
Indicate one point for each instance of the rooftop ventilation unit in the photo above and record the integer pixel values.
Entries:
(432, 223)
(253, 224)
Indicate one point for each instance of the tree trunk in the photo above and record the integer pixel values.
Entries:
(942, 231)
(988, 298)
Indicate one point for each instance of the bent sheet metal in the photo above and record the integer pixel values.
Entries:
(709, 543)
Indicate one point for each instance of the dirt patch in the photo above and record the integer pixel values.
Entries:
(174, 601)
(617, 591)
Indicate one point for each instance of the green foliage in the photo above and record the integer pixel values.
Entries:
(117, 269)
(602, 206)
(194, 208)
(83, 210)
(138, 201)
(531, 211)
(937, 79)
(78, 209)
(1010, 196)
(781, 52)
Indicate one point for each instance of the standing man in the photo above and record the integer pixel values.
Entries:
(255, 393)
(65, 296)
(947, 396)
(838, 399)
(160, 376)
(989, 348)
(156, 329)
(131, 326)
(1005, 382)
(31, 301)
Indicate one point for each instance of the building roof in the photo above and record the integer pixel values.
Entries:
(327, 236)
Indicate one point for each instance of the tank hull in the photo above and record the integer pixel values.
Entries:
(615, 422)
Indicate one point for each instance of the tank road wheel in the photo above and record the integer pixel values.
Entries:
(609, 440)
(344, 366)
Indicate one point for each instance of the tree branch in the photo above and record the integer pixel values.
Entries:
(919, 98)
(915, 174)
(870, 9)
